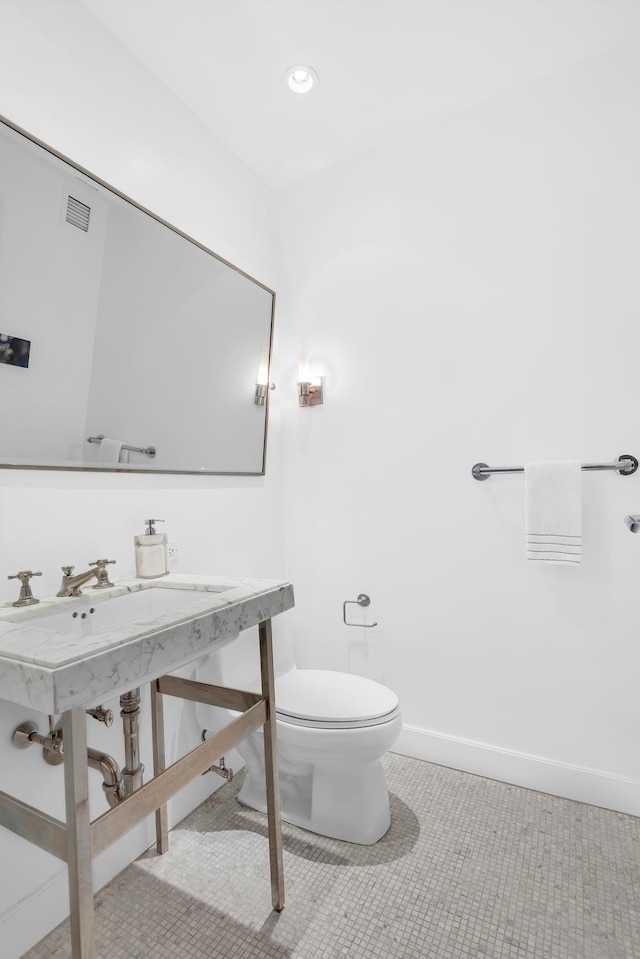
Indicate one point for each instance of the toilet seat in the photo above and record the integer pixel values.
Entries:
(324, 699)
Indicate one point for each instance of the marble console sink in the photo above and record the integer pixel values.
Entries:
(52, 660)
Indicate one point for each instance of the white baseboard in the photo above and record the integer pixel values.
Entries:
(534, 772)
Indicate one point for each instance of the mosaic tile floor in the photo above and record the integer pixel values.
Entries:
(469, 868)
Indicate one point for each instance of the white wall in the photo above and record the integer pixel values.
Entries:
(470, 294)
(100, 108)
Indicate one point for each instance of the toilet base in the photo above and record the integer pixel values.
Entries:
(336, 799)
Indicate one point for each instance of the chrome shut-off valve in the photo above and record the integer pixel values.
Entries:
(27, 734)
(633, 523)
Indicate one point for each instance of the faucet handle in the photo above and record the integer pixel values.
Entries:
(24, 576)
(102, 577)
(26, 597)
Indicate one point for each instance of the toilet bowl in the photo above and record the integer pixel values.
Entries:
(332, 729)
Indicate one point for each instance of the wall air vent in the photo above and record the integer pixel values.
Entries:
(78, 214)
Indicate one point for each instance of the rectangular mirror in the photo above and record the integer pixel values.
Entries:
(117, 330)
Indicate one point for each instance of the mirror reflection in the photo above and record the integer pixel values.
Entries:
(124, 344)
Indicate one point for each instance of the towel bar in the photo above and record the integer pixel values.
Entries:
(146, 450)
(625, 465)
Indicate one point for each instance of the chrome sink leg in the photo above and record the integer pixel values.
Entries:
(159, 765)
(271, 767)
(78, 838)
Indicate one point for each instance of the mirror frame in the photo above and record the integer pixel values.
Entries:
(97, 468)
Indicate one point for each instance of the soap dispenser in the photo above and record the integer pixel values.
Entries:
(152, 552)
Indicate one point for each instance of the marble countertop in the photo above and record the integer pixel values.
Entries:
(53, 669)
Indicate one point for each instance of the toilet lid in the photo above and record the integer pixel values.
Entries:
(321, 697)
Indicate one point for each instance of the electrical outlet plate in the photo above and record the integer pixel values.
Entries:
(173, 552)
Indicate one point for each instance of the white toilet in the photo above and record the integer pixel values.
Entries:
(332, 729)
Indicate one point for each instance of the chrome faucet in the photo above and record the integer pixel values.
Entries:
(71, 584)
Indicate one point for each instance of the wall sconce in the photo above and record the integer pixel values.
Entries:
(309, 387)
(262, 382)
(310, 391)
(261, 392)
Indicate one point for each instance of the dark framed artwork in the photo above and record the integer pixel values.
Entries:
(14, 350)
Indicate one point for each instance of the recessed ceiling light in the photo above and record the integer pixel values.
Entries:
(300, 78)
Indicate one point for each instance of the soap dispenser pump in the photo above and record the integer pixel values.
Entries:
(152, 552)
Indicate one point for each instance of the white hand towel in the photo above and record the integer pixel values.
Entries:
(554, 512)
(110, 451)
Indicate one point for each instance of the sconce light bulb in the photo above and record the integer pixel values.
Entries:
(263, 369)
(303, 366)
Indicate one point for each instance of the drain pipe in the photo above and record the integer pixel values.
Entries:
(133, 768)
(112, 784)
(117, 784)
(53, 752)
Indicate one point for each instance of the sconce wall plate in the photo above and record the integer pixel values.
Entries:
(310, 392)
(261, 392)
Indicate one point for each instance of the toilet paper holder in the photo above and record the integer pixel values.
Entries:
(362, 600)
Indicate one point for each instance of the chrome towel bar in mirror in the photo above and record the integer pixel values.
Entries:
(145, 450)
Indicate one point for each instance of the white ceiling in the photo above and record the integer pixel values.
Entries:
(386, 67)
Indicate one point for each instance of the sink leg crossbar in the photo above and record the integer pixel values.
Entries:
(80, 840)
